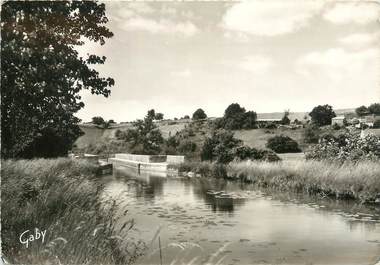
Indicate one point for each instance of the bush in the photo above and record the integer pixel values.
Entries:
(347, 147)
(220, 147)
(336, 126)
(311, 134)
(270, 125)
(376, 124)
(283, 144)
(187, 147)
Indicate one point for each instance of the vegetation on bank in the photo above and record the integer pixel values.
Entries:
(359, 181)
(58, 195)
(347, 166)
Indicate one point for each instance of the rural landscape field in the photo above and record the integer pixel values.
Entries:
(186, 132)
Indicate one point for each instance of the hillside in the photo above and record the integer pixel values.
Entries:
(254, 138)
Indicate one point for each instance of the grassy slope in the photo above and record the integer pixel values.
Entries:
(254, 138)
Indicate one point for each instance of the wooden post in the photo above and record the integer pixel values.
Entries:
(159, 244)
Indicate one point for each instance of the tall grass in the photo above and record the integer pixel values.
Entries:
(59, 195)
(359, 181)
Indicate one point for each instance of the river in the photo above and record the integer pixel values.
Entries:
(213, 221)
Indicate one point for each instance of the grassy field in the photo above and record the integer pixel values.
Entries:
(360, 181)
(61, 196)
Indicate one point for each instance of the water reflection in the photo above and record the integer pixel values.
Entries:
(150, 185)
(256, 227)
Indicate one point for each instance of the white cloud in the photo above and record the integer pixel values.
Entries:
(361, 39)
(185, 73)
(357, 12)
(270, 18)
(237, 36)
(140, 16)
(256, 64)
(160, 26)
(338, 64)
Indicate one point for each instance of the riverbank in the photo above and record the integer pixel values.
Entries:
(61, 197)
(358, 181)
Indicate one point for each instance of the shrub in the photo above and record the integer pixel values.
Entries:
(347, 147)
(268, 156)
(270, 125)
(283, 144)
(187, 147)
(311, 134)
(336, 126)
(220, 146)
(376, 124)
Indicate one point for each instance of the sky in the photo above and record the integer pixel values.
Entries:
(267, 56)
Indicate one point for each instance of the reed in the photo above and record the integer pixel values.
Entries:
(349, 180)
(360, 181)
(61, 196)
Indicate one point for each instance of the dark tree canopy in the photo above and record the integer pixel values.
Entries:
(362, 111)
(236, 118)
(374, 108)
(322, 115)
(144, 137)
(98, 120)
(199, 114)
(159, 116)
(42, 73)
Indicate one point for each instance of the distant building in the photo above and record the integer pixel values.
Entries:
(338, 120)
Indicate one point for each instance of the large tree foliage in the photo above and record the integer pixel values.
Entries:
(42, 73)
(322, 115)
(199, 114)
(236, 118)
(144, 137)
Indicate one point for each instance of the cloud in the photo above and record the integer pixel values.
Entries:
(184, 73)
(256, 64)
(161, 26)
(356, 12)
(270, 18)
(361, 39)
(338, 64)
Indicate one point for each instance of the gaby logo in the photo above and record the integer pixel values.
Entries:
(27, 236)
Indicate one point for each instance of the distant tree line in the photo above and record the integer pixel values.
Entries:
(371, 109)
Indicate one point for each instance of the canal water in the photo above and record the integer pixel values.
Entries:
(213, 221)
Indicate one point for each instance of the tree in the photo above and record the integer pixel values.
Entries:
(42, 73)
(285, 119)
(250, 118)
(236, 117)
(322, 115)
(199, 114)
(233, 110)
(151, 114)
(159, 116)
(374, 108)
(283, 144)
(220, 146)
(362, 111)
(311, 134)
(98, 120)
(144, 137)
